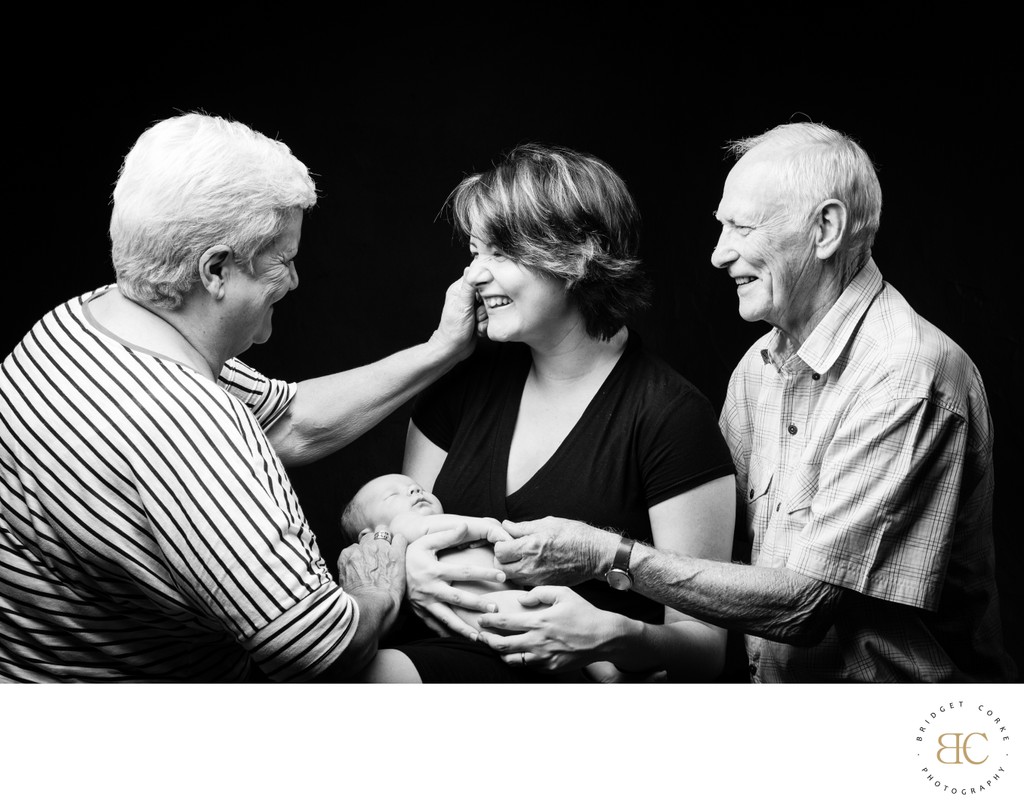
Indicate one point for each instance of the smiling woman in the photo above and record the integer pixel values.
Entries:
(522, 304)
(563, 413)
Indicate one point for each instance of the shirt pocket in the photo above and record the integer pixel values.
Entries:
(758, 495)
(805, 486)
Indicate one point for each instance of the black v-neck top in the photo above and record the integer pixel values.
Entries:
(646, 436)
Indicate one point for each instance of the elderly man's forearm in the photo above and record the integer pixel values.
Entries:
(773, 603)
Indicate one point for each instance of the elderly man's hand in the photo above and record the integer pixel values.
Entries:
(374, 566)
(554, 551)
(464, 317)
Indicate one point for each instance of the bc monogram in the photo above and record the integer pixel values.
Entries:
(961, 746)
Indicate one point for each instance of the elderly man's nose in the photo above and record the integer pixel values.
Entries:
(723, 255)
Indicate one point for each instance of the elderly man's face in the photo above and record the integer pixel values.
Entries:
(770, 259)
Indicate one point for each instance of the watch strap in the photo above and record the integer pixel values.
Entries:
(622, 554)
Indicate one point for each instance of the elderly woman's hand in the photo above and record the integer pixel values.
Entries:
(464, 317)
(569, 634)
(429, 579)
(374, 566)
(554, 551)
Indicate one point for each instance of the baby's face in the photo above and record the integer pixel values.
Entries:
(384, 498)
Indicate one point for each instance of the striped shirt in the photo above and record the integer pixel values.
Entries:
(865, 461)
(148, 530)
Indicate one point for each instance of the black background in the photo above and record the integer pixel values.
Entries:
(389, 120)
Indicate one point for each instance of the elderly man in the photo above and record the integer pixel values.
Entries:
(863, 446)
(149, 530)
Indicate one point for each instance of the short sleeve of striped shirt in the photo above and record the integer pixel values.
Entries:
(267, 399)
(224, 513)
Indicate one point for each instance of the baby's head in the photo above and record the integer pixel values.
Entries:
(381, 500)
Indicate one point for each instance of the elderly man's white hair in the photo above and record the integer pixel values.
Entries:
(814, 163)
(192, 182)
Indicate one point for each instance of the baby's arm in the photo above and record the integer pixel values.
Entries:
(474, 551)
(480, 529)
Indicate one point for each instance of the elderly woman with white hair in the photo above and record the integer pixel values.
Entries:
(149, 530)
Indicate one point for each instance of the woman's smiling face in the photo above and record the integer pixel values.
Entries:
(523, 305)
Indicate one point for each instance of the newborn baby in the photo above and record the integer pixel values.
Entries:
(401, 504)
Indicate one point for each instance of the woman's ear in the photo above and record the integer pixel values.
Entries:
(830, 228)
(211, 269)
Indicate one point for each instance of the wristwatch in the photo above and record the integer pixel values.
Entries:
(619, 577)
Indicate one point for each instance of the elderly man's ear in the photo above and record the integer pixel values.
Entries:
(211, 269)
(830, 227)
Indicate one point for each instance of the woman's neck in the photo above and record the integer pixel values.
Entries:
(577, 356)
(150, 330)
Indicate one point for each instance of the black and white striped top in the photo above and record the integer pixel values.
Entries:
(148, 530)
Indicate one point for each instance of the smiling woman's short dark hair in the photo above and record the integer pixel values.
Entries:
(565, 214)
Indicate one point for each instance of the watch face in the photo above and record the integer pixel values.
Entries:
(619, 579)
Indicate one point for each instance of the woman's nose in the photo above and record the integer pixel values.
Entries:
(478, 274)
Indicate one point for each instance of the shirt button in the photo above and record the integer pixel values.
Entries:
(815, 376)
(752, 669)
(792, 429)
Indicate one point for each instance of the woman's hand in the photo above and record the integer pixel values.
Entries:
(569, 634)
(428, 582)
(463, 318)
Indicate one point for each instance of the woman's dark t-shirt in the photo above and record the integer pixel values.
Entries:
(647, 436)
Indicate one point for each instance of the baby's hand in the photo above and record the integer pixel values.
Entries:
(495, 531)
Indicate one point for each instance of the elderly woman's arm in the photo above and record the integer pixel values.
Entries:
(331, 411)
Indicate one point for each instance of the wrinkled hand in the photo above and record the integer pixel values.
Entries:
(569, 634)
(429, 579)
(374, 565)
(554, 551)
(463, 317)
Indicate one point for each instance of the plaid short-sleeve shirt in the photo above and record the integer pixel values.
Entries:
(865, 461)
